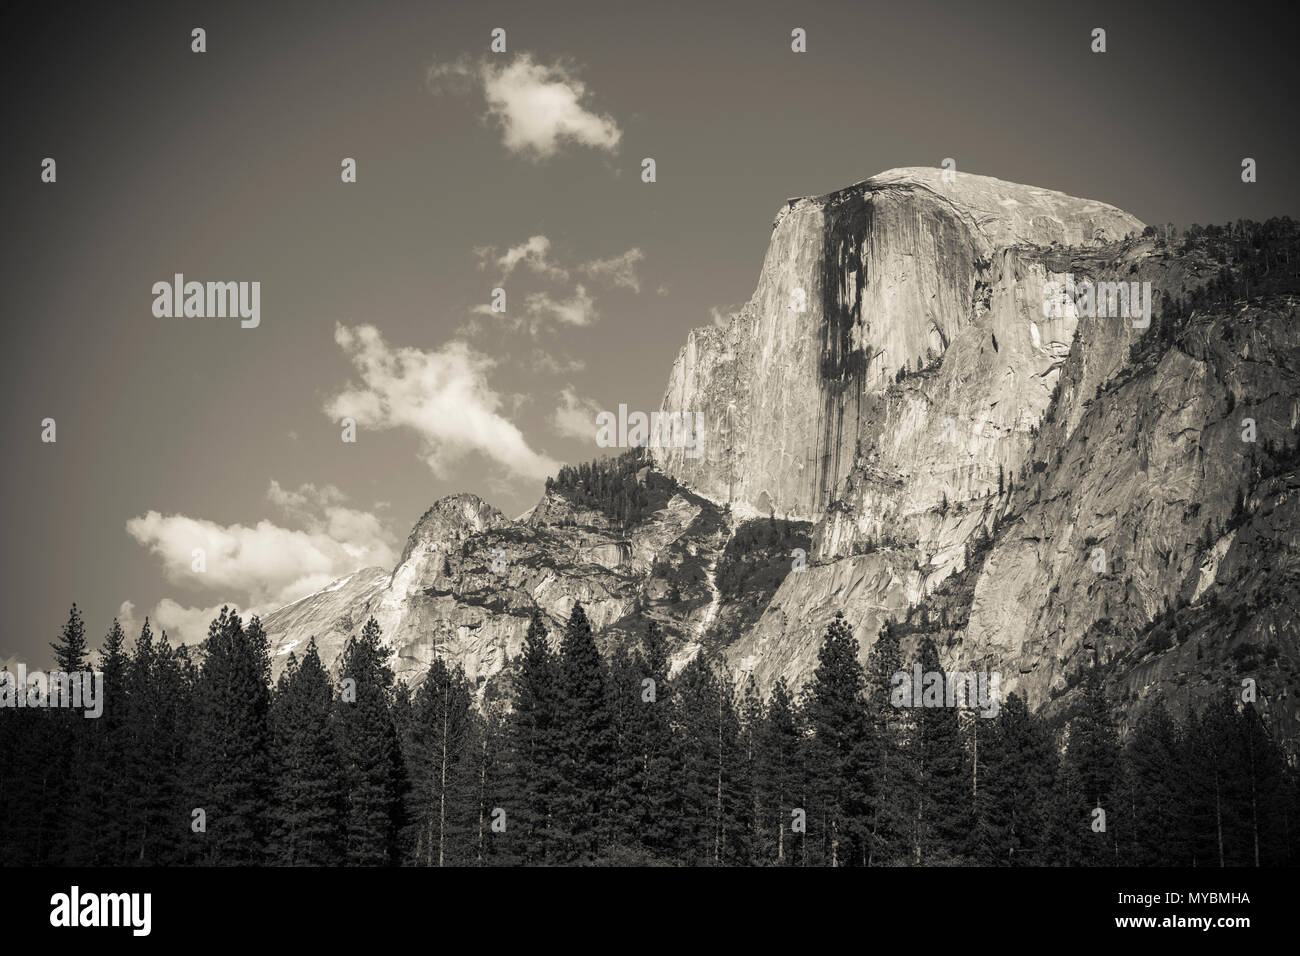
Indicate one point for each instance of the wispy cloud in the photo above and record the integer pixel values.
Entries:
(575, 417)
(578, 309)
(619, 270)
(555, 364)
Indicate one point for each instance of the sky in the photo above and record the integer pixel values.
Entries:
(476, 170)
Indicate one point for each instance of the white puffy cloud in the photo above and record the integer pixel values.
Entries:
(442, 395)
(575, 417)
(538, 107)
(189, 625)
(267, 565)
(620, 270)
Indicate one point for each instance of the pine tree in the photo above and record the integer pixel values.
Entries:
(173, 678)
(308, 807)
(623, 684)
(736, 841)
(944, 812)
(487, 783)
(69, 753)
(1017, 771)
(104, 781)
(585, 744)
(714, 815)
(373, 774)
(840, 771)
(143, 743)
(750, 712)
(1091, 778)
(894, 783)
(231, 779)
(1263, 792)
(70, 651)
(1153, 782)
(656, 802)
(29, 817)
(778, 779)
(533, 740)
(440, 765)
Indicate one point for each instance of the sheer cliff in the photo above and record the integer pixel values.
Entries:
(885, 275)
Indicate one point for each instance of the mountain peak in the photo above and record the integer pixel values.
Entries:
(454, 516)
(1001, 212)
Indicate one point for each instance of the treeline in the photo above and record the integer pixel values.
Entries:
(1255, 259)
(613, 487)
(606, 760)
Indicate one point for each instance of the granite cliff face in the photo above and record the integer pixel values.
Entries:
(892, 272)
(1034, 489)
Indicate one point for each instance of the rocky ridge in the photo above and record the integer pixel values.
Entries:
(955, 456)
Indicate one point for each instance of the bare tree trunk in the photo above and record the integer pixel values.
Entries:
(442, 788)
(1218, 818)
(1254, 804)
(482, 794)
(920, 807)
(717, 830)
(780, 829)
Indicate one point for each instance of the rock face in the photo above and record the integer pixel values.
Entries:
(1034, 489)
(469, 579)
(856, 285)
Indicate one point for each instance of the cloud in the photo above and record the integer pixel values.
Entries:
(533, 253)
(127, 619)
(267, 565)
(442, 395)
(575, 417)
(189, 625)
(539, 108)
(556, 365)
(541, 306)
(322, 511)
(579, 309)
(620, 270)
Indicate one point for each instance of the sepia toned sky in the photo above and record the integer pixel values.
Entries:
(478, 170)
